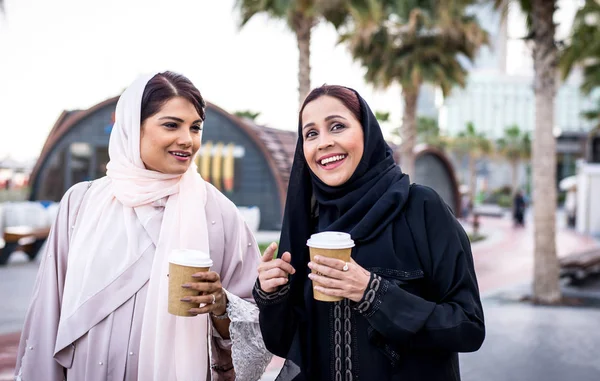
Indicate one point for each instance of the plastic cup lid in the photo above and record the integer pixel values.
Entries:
(190, 258)
(330, 240)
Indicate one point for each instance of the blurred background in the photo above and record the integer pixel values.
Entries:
(493, 103)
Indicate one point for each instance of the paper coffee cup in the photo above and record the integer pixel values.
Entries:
(183, 263)
(333, 245)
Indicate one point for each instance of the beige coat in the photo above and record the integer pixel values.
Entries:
(103, 339)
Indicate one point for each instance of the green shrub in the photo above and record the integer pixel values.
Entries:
(476, 237)
(504, 201)
(560, 199)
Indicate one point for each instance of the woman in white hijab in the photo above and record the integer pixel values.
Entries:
(99, 309)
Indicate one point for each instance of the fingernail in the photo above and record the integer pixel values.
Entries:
(185, 285)
(317, 258)
(310, 276)
(186, 299)
(310, 265)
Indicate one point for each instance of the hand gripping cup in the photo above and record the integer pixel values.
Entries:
(183, 263)
(333, 245)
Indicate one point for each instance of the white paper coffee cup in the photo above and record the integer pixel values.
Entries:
(183, 263)
(329, 244)
(330, 240)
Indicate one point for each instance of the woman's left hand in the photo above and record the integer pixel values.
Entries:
(334, 281)
(211, 294)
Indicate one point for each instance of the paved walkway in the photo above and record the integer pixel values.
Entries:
(531, 343)
(505, 258)
(526, 343)
(504, 267)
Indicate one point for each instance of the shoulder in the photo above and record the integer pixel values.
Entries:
(425, 196)
(76, 192)
(217, 200)
(422, 193)
(426, 201)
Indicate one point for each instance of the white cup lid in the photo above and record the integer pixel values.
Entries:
(330, 240)
(191, 258)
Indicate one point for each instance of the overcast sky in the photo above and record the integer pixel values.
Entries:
(73, 54)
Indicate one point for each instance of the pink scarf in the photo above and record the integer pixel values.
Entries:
(106, 243)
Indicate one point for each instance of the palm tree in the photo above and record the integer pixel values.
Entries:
(474, 145)
(413, 42)
(301, 16)
(584, 47)
(584, 50)
(515, 146)
(428, 132)
(247, 114)
(540, 16)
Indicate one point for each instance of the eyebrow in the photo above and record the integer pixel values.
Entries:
(326, 119)
(179, 119)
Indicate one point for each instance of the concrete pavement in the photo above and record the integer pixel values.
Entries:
(523, 341)
(533, 343)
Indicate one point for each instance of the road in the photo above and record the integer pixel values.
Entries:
(503, 260)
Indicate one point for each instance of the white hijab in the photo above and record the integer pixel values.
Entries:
(107, 242)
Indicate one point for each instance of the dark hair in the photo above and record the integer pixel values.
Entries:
(164, 86)
(343, 94)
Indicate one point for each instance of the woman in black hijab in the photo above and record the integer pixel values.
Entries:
(411, 301)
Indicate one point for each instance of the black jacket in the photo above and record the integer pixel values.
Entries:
(426, 307)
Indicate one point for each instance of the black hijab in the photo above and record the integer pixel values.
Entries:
(363, 206)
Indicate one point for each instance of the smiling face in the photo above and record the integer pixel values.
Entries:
(333, 140)
(170, 138)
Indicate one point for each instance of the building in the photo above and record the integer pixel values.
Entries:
(250, 164)
(247, 163)
(496, 101)
(497, 97)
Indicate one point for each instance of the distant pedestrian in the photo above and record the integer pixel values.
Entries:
(571, 207)
(519, 206)
(466, 206)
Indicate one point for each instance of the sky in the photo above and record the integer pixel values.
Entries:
(72, 54)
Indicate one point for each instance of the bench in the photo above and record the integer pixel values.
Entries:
(24, 238)
(581, 265)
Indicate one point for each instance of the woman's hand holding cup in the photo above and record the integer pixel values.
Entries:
(273, 273)
(212, 298)
(338, 278)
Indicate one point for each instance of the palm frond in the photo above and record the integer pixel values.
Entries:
(471, 142)
(514, 145)
(416, 41)
(584, 42)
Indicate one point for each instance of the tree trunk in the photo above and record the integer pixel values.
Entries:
(302, 25)
(472, 177)
(514, 165)
(546, 287)
(408, 132)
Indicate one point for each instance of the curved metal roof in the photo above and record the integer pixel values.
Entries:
(277, 146)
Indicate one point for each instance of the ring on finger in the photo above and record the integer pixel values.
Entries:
(345, 268)
(214, 298)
